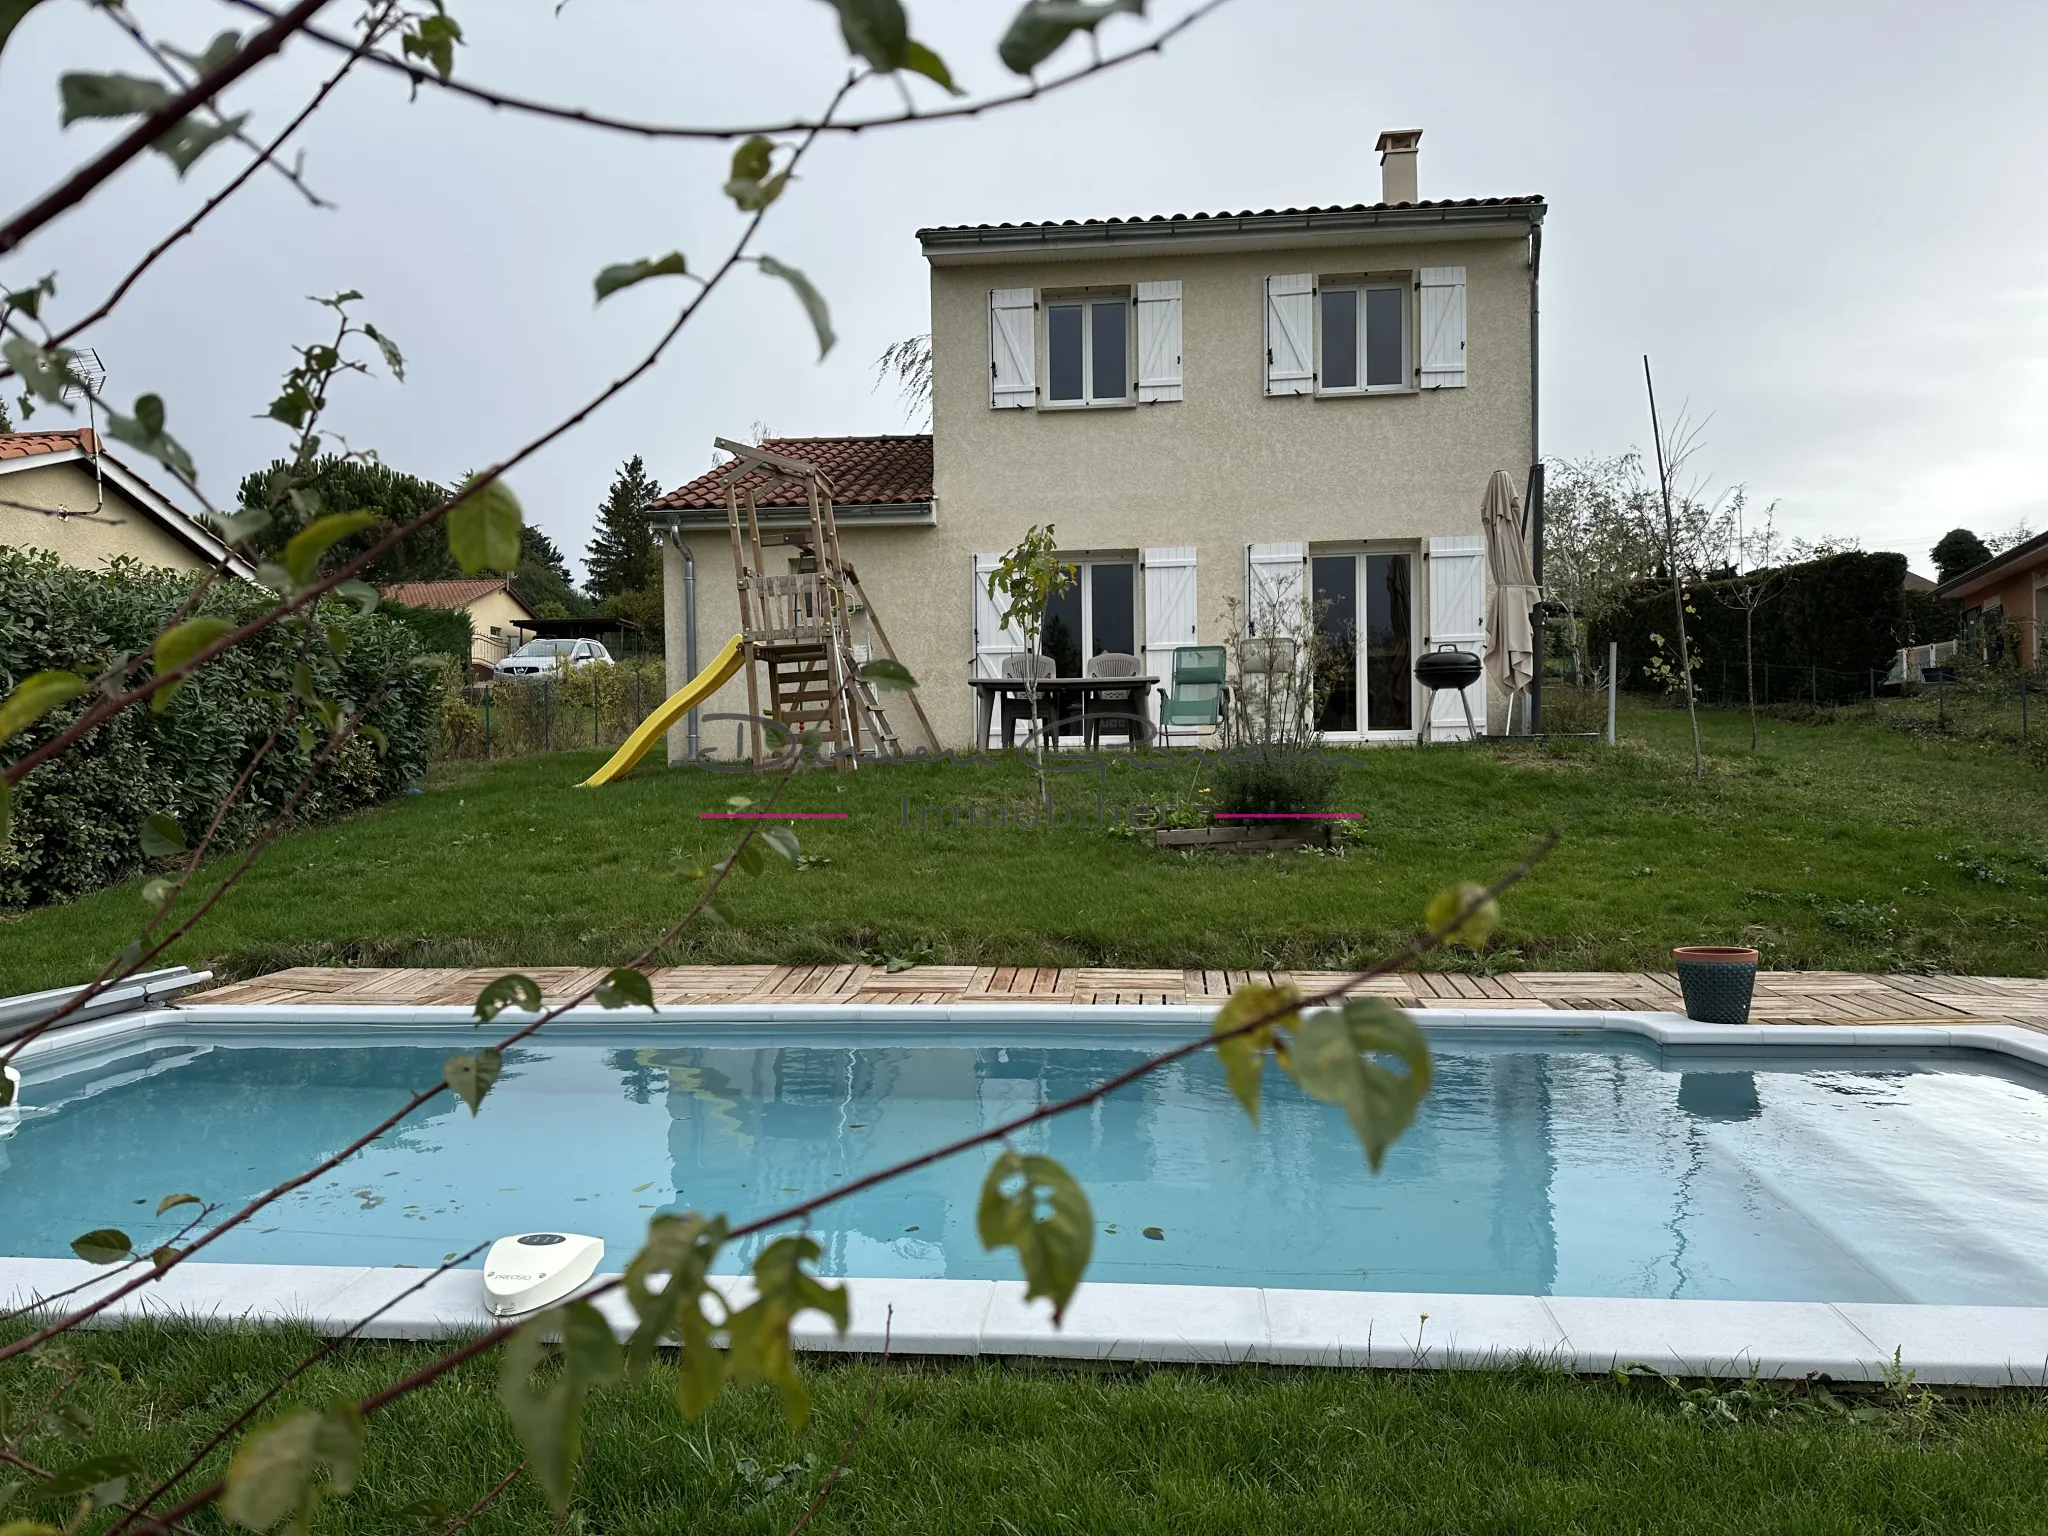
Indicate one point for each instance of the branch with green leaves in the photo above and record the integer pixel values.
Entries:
(1037, 31)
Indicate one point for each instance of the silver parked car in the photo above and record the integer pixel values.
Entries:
(539, 657)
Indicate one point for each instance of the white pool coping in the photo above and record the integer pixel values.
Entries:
(1109, 1321)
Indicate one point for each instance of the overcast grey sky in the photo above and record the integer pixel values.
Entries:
(1822, 220)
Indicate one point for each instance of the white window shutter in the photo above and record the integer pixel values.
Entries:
(1158, 341)
(1443, 328)
(1290, 334)
(994, 642)
(1169, 607)
(1275, 591)
(1457, 618)
(1012, 348)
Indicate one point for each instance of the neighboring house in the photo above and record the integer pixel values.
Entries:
(61, 491)
(1219, 413)
(490, 602)
(2004, 600)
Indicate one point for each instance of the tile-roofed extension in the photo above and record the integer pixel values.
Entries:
(30, 445)
(444, 594)
(863, 471)
(1267, 223)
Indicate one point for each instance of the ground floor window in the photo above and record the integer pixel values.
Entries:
(1097, 614)
(1364, 610)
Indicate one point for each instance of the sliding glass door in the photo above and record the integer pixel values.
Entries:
(1365, 614)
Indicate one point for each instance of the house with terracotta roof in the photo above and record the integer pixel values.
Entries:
(494, 611)
(1229, 419)
(2004, 602)
(63, 492)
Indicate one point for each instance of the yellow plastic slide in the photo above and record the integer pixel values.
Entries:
(680, 703)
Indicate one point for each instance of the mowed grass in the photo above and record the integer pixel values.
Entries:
(1833, 846)
(983, 1447)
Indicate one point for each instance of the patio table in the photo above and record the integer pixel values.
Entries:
(1067, 696)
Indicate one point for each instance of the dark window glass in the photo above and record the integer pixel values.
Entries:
(1340, 338)
(1383, 309)
(1063, 344)
(1388, 663)
(1113, 609)
(1060, 638)
(1112, 361)
(1335, 582)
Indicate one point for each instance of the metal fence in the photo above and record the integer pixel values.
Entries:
(1999, 706)
(576, 709)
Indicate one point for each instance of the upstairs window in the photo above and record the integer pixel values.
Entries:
(1088, 351)
(1364, 337)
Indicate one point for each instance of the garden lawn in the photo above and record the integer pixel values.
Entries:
(1836, 846)
(980, 1447)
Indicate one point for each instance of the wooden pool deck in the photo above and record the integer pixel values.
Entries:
(1782, 997)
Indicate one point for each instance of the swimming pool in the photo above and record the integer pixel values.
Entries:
(1544, 1163)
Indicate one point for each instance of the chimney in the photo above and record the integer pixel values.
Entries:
(1397, 165)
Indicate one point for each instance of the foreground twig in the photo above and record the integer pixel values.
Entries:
(141, 1507)
(582, 117)
(874, 1396)
(80, 183)
(105, 709)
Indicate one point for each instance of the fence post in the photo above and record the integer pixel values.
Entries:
(1873, 690)
(1613, 676)
(2024, 738)
(547, 714)
(487, 722)
(1813, 683)
(1940, 705)
(593, 709)
(1767, 682)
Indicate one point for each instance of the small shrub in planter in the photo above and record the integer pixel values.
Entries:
(1273, 781)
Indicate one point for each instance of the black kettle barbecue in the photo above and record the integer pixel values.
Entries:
(1449, 667)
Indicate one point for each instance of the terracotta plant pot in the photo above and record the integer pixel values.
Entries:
(1718, 982)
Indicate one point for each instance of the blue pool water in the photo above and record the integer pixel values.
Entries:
(1576, 1165)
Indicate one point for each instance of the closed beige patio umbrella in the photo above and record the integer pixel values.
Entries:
(1512, 592)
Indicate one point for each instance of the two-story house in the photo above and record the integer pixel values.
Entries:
(1213, 410)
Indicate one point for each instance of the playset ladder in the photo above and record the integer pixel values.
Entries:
(800, 625)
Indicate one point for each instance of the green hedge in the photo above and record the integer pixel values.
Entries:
(440, 631)
(78, 817)
(1845, 615)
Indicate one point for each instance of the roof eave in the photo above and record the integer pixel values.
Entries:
(881, 514)
(1996, 568)
(1344, 226)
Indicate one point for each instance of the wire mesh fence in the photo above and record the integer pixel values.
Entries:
(1995, 705)
(596, 705)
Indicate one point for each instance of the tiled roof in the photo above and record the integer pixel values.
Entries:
(1533, 200)
(864, 471)
(444, 594)
(28, 445)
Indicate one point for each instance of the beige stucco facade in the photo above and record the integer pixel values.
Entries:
(84, 523)
(490, 620)
(1225, 467)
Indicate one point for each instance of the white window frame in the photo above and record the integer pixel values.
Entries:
(1084, 583)
(1361, 286)
(1416, 692)
(1086, 300)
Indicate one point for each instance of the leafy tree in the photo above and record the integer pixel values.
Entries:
(1959, 550)
(335, 483)
(541, 580)
(622, 556)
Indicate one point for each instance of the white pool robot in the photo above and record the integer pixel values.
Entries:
(10, 1113)
(532, 1269)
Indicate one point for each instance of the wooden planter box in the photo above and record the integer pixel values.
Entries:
(1259, 837)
